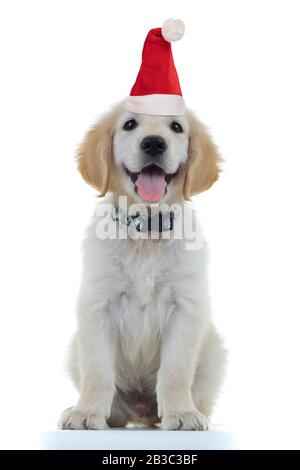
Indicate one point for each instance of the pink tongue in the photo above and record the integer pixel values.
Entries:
(151, 186)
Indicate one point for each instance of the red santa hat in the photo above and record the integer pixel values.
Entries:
(157, 89)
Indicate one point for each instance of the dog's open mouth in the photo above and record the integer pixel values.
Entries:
(151, 182)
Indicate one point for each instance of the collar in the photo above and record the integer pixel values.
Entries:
(160, 222)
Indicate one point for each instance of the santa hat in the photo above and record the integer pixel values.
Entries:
(157, 89)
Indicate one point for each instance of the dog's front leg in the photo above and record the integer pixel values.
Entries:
(180, 347)
(96, 352)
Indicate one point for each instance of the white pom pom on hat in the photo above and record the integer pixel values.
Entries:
(172, 30)
(157, 89)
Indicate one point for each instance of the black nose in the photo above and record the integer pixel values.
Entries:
(153, 145)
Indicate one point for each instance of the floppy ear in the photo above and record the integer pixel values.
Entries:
(94, 156)
(202, 168)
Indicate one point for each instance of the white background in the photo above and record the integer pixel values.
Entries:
(65, 62)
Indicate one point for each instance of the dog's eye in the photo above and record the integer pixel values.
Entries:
(176, 127)
(130, 125)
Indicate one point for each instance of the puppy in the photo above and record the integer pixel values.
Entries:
(145, 351)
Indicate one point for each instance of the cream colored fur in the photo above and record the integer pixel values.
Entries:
(145, 350)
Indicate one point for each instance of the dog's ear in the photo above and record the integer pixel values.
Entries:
(202, 168)
(94, 156)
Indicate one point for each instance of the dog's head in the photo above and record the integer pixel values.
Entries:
(148, 158)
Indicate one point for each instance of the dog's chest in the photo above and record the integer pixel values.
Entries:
(145, 275)
(144, 302)
(147, 272)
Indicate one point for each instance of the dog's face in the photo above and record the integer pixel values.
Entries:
(151, 159)
(149, 153)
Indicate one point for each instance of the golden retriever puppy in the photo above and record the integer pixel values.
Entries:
(145, 350)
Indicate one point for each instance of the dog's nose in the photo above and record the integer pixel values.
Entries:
(153, 144)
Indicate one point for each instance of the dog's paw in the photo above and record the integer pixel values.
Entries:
(73, 418)
(188, 421)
